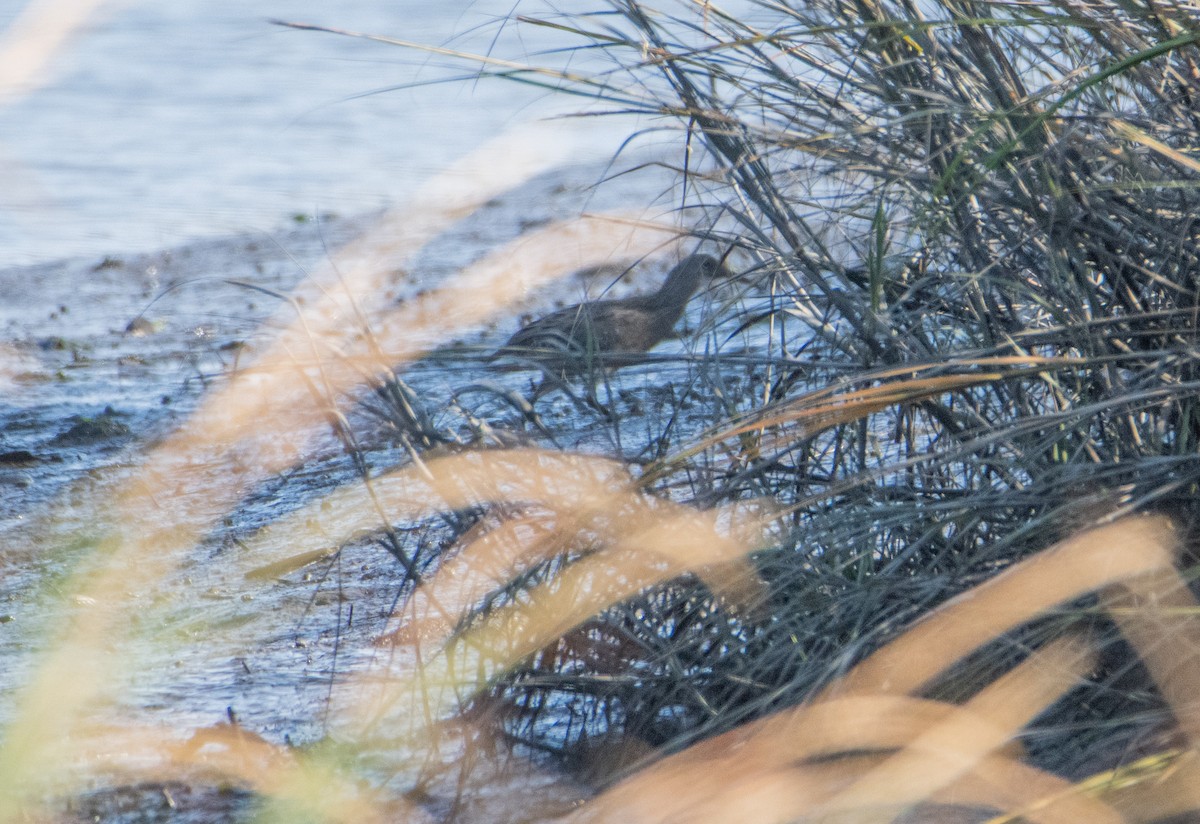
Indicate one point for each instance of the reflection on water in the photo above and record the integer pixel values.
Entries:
(169, 121)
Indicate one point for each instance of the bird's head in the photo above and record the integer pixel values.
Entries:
(691, 273)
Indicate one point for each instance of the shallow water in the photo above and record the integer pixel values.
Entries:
(201, 121)
(163, 122)
(107, 355)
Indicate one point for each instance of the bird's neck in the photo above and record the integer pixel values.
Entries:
(676, 291)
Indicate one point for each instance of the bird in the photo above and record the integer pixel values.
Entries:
(609, 333)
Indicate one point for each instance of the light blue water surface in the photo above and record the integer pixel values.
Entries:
(166, 122)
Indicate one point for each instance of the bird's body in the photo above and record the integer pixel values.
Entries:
(610, 333)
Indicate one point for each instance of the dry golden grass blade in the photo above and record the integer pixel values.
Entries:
(642, 541)
(771, 792)
(821, 735)
(952, 747)
(254, 426)
(1081, 564)
(1156, 788)
(487, 560)
(1119, 552)
(521, 267)
(565, 483)
(339, 300)
(659, 533)
(1160, 617)
(652, 548)
(1038, 797)
(648, 547)
(710, 796)
(829, 407)
(815, 413)
(288, 565)
(1158, 614)
(292, 784)
(1011, 364)
(225, 755)
(948, 757)
(592, 493)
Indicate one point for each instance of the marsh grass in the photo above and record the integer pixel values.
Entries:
(972, 324)
(904, 559)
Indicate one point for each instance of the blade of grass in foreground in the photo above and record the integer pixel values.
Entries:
(257, 424)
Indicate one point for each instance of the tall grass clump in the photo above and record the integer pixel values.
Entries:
(969, 331)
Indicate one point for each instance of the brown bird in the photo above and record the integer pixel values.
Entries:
(610, 333)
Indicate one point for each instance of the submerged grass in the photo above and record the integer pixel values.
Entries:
(965, 332)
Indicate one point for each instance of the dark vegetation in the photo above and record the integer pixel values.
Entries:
(968, 330)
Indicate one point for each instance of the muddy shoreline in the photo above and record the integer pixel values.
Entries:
(105, 357)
